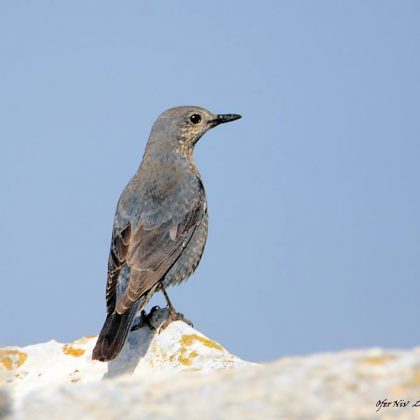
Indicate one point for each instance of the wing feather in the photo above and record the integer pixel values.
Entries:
(117, 256)
(152, 251)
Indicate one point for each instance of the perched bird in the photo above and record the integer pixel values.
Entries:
(160, 225)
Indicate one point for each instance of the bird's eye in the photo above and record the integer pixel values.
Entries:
(195, 118)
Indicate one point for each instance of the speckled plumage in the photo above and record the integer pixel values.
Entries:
(160, 225)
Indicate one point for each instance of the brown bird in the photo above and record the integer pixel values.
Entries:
(160, 225)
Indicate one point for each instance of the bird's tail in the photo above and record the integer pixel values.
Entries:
(113, 334)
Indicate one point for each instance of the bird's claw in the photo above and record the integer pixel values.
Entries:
(172, 317)
(144, 320)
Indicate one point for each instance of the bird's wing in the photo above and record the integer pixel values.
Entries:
(117, 256)
(153, 249)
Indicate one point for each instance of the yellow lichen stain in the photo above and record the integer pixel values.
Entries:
(186, 359)
(73, 351)
(188, 339)
(378, 360)
(12, 359)
(157, 355)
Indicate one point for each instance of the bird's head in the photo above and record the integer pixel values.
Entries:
(183, 126)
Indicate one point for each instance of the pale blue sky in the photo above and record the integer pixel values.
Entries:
(314, 241)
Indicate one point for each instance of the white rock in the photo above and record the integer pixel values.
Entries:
(182, 374)
(43, 369)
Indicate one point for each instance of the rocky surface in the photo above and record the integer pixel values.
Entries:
(180, 373)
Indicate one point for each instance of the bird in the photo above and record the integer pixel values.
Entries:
(160, 224)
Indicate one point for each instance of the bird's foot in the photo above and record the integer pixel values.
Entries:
(144, 320)
(174, 316)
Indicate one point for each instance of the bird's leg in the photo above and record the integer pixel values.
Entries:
(173, 314)
(168, 301)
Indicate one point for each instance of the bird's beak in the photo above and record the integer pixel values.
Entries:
(224, 118)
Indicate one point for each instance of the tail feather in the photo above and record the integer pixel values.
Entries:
(113, 334)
